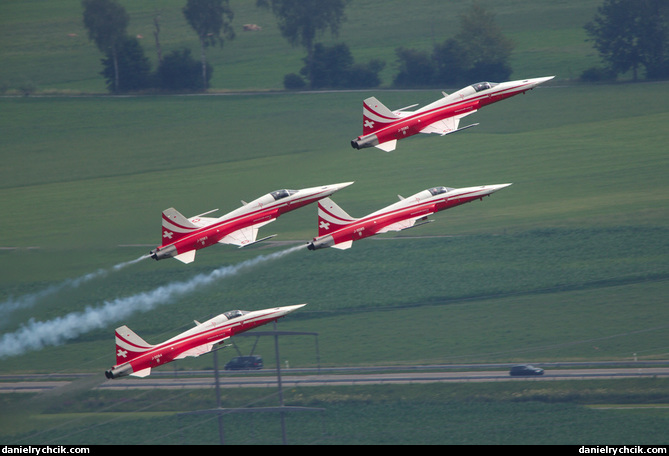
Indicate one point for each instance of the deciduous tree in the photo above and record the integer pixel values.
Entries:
(630, 34)
(106, 22)
(212, 21)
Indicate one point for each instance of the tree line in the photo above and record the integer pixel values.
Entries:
(125, 66)
(630, 35)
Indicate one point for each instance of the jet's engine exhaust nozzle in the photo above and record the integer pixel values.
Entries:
(364, 142)
(321, 243)
(160, 254)
(117, 372)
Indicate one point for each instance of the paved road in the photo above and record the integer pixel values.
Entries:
(227, 380)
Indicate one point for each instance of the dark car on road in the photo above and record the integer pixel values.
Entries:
(526, 369)
(244, 363)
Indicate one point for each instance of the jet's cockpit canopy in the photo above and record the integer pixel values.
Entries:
(234, 314)
(277, 195)
(439, 190)
(484, 85)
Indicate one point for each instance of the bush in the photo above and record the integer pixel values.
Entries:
(180, 71)
(362, 75)
(596, 74)
(293, 81)
(334, 67)
(416, 68)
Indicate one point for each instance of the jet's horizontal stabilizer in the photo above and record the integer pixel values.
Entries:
(343, 245)
(142, 373)
(388, 146)
(187, 257)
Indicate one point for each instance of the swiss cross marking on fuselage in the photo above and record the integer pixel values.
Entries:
(324, 225)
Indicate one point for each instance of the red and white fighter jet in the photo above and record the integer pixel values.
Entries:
(136, 357)
(338, 229)
(182, 237)
(382, 127)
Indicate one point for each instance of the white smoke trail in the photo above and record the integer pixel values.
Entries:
(36, 335)
(31, 299)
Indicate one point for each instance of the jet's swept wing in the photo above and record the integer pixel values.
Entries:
(246, 236)
(448, 125)
(202, 349)
(406, 224)
(202, 221)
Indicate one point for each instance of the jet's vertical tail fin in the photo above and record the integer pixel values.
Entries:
(129, 345)
(375, 115)
(331, 217)
(175, 225)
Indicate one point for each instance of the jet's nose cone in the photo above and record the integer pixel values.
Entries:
(535, 82)
(494, 188)
(288, 309)
(337, 187)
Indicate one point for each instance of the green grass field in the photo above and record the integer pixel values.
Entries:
(516, 413)
(568, 264)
